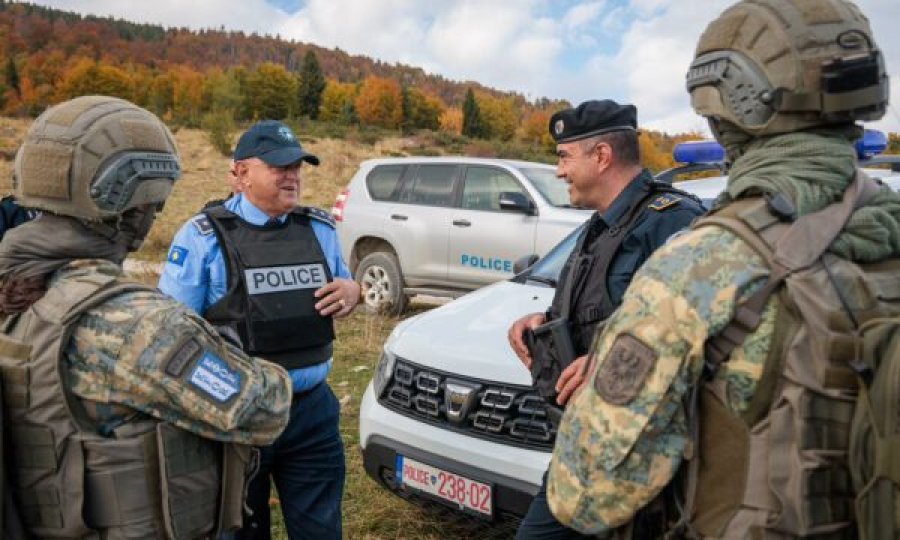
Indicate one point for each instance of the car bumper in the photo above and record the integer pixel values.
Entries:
(515, 473)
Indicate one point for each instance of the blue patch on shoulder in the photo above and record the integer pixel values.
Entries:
(213, 377)
(177, 255)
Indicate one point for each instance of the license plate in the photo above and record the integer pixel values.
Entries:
(465, 493)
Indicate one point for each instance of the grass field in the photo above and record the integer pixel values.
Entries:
(369, 511)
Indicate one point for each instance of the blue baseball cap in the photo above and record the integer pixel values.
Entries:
(273, 142)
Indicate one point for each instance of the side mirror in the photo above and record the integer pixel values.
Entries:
(517, 202)
(523, 263)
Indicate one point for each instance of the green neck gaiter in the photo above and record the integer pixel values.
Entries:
(813, 169)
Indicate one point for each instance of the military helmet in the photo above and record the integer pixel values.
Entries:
(94, 157)
(776, 66)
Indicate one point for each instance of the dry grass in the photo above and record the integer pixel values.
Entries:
(369, 511)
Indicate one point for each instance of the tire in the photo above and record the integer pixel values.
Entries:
(379, 277)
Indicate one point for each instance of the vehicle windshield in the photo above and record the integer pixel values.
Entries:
(554, 190)
(547, 270)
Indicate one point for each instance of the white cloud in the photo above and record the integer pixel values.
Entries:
(615, 21)
(582, 14)
(646, 8)
(388, 29)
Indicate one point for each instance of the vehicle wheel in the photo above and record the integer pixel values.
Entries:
(382, 284)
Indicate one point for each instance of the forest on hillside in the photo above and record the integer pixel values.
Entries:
(218, 79)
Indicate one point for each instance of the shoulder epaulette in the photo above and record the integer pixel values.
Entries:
(202, 224)
(678, 195)
(663, 201)
(318, 214)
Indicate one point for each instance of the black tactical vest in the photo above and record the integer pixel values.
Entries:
(584, 276)
(273, 272)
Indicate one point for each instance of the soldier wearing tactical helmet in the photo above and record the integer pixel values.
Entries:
(718, 398)
(128, 416)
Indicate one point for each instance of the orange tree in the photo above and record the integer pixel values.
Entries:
(380, 102)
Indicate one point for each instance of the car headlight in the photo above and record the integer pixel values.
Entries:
(384, 372)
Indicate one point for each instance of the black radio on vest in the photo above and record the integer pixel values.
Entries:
(273, 271)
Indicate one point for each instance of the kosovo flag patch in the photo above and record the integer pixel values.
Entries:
(177, 255)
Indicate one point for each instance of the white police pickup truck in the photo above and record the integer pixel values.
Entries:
(450, 417)
(446, 226)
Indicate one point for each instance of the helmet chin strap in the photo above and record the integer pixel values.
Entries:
(731, 137)
(135, 225)
(128, 230)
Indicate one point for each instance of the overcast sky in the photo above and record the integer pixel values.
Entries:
(630, 50)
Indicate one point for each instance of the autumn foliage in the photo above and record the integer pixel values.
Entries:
(221, 79)
(380, 102)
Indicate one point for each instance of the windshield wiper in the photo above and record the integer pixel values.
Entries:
(542, 279)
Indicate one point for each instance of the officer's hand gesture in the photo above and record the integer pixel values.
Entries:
(514, 335)
(570, 380)
(337, 298)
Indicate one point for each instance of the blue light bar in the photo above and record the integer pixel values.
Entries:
(699, 152)
(872, 143)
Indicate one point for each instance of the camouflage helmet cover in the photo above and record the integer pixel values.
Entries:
(776, 66)
(94, 157)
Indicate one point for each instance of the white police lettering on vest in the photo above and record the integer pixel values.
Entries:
(285, 278)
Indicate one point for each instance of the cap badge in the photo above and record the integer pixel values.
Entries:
(285, 133)
(559, 126)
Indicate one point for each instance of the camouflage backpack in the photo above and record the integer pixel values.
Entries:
(817, 452)
(875, 433)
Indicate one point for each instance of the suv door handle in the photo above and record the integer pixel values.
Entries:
(399, 217)
(462, 223)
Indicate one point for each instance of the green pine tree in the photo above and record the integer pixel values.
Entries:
(12, 76)
(312, 84)
(472, 125)
(408, 122)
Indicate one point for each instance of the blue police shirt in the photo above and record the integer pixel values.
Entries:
(668, 214)
(195, 272)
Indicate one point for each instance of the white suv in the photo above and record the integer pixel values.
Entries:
(446, 226)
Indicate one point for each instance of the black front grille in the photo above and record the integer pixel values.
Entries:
(499, 412)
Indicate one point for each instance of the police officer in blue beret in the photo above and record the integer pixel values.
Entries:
(598, 151)
(270, 274)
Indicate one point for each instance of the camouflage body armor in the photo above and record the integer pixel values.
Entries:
(781, 469)
(148, 479)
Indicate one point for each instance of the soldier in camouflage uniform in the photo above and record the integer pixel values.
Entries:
(129, 415)
(782, 84)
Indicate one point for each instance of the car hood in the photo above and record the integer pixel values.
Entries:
(468, 336)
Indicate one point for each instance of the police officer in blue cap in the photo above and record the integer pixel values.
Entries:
(270, 274)
(598, 151)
